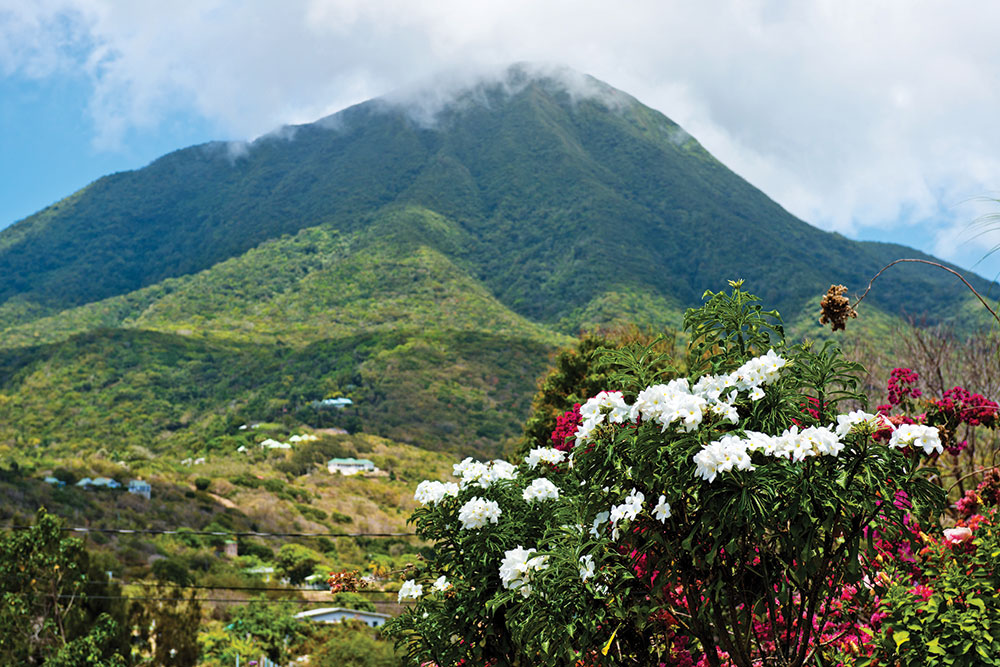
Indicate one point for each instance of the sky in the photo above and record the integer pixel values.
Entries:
(873, 119)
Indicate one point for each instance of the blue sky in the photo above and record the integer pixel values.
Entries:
(876, 120)
(48, 142)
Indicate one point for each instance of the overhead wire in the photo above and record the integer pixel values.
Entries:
(181, 599)
(154, 584)
(217, 533)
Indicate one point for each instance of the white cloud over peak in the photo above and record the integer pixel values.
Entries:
(854, 115)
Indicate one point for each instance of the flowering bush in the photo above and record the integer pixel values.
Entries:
(944, 610)
(955, 409)
(698, 520)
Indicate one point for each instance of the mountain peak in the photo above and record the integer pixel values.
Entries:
(456, 90)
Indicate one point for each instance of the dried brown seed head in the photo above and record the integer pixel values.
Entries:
(836, 308)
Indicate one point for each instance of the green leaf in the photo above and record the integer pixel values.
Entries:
(900, 637)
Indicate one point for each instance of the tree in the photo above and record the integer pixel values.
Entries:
(578, 374)
(352, 645)
(168, 627)
(271, 626)
(45, 614)
(296, 562)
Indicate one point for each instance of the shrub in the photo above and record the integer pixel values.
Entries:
(942, 607)
(713, 518)
(202, 483)
(261, 551)
(296, 562)
(172, 569)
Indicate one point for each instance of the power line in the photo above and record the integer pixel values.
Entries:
(230, 588)
(163, 599)
(217, 533)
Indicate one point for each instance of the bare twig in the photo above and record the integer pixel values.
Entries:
(981, 471)
(940, 266)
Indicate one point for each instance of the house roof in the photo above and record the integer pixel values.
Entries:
(334, 462)
(333, 610)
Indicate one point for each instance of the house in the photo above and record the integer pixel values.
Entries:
(52, 480)
(264, 572)
(338, 614)
(338, 403)
(350, 466)
(140, 488)
(271, 443)
(98, 483)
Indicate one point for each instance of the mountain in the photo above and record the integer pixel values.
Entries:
(422, 253)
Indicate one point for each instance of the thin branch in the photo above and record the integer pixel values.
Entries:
(940, 266)
(971, 474)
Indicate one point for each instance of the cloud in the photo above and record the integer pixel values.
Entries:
(856, 116)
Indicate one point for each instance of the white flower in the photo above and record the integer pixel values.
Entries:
(410, 590)
(478, 512)
(429, 492)
(917, 435)
(607, 405)
(627, 510)
(756, 394)
(517, 567)
(483, 474)
(469, 469)
(587, 568)
(598, 521)
(540, 489)
(662, 510)
(845, 423)
(544, 455)
(502, 470)
(441, 584)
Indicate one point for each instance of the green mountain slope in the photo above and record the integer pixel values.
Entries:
(554, 199)
(425, 264)
(315, 285)
(121, 389)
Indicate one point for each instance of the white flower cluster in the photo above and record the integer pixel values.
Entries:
(540, 489)
(432, 493)
(669, 403)
(759, 370)
(627, 510)
(870, 422)
(722, 456)
(905, 435)
(544, 455)
(732, 451)
(483, 474)
(678, 403)
(608, 405)
(517, 568)
(478, 512)
(587, 568)
(917, 435)
(410, 590)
